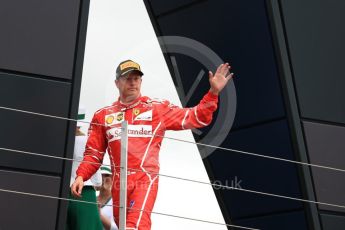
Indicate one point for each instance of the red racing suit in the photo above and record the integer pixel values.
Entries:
(147, 121)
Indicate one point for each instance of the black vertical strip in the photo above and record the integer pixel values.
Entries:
(292, 110)
(73, 112)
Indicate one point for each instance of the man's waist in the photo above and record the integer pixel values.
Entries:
(133, 171)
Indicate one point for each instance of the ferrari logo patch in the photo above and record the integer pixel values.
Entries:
(136, 112)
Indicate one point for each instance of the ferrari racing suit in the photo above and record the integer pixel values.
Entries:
(148, 119)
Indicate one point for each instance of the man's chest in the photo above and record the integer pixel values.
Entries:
(142, 120)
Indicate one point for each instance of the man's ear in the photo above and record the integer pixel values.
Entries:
(117, 83)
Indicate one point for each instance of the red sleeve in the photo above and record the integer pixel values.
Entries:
(95, 147)
(176, 118)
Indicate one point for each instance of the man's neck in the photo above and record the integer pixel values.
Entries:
(128, 99)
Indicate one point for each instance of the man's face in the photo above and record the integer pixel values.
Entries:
(129, 85)
(107, 181)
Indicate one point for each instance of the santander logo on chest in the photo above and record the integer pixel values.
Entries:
(137, 131)
(114, 133)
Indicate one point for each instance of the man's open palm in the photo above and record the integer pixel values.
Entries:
(219, 80)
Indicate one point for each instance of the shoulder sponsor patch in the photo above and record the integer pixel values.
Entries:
(114, 118)
(109, 119)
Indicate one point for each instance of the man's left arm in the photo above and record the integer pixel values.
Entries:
(176, 118)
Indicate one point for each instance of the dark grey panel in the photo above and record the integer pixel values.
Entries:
(282, 221)
(238, 32)
(28, 212)
(33, 94)
(316, 33)
(255, 173)
(333, 222)
(39, 36)
(160, 7)
(73, 111)
(326, 146)
(293, 112)
(29, 132)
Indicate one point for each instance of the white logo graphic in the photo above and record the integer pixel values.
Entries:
(145, 116)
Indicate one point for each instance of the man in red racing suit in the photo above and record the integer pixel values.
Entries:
(147, 121)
